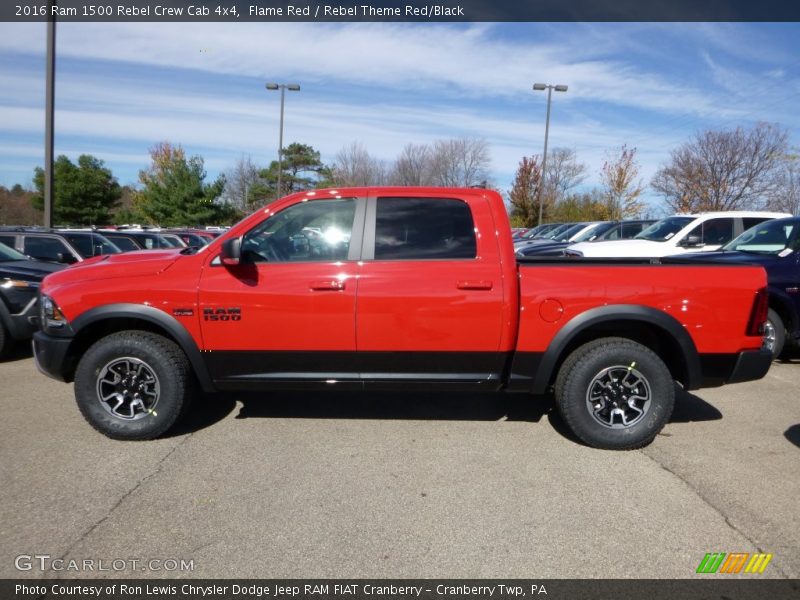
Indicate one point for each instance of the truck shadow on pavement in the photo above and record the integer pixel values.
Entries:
(208, 409)
(793, 434)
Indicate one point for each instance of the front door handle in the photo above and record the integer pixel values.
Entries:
(323, 285)
(472, 284)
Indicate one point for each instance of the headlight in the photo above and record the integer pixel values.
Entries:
(50, 314)
(572, 253)
(18, 284)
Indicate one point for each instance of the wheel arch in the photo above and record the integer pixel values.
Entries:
(781, 303)
(104, 320)
(653, 328)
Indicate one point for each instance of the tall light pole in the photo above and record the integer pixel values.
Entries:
(49, 119)
(540, 87)
(292, 87)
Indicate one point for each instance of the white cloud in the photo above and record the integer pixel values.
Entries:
(469, 61)
(123, 87)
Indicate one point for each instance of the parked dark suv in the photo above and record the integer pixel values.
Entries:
(19, 283)
(775, 245)
(57, 245)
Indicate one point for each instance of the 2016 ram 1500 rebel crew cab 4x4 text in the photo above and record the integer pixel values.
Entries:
(395, 287)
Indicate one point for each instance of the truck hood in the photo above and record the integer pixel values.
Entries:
(111, 266)
(29, 270)
(625, 248)
(541, 248)
(731, 256)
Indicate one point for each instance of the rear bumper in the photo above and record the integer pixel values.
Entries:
(747, 365)
(751, 365)
(50, 354)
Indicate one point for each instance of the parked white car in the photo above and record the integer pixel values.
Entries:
(703, 232)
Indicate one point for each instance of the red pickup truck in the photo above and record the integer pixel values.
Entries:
(399, 288)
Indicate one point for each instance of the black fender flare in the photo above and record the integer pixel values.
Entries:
(536, 375)
(157, 317)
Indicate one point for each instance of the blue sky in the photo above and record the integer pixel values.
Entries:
(122, 87)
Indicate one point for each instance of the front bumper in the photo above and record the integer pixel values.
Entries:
(50, 354)
(21, 325)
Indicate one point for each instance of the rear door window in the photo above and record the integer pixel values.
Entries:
(424, 228)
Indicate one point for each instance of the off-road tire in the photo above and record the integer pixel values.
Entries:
(162, 357)
(581, 373)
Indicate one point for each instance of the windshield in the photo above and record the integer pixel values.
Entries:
(125, 244)
(537, 231)
(194, 240)
(593, 232)
(778, 238)
(555, 232)
(174, 240)
(662, 230)
(91, 244)
(7, 253)
(565, 235)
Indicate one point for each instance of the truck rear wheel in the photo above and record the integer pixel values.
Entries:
(133, 385)
(615, 394)
(774, 333)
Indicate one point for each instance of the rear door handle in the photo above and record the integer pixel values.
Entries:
(322, 285)
(472, 284)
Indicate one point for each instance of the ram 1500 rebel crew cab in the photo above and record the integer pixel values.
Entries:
(396, 288)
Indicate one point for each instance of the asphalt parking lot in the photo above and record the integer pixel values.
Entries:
(326, 485)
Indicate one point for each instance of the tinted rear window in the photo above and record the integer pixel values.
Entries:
(424, 228)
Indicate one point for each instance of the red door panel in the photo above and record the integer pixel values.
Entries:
(430, 318)
(287, 311)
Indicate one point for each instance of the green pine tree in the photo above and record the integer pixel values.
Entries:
(84, 194)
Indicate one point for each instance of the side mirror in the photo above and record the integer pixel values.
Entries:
(64, 258)
(692, 241)
(231, 254)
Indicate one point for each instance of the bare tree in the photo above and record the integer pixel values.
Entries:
(353, 166)
(785, 196)
(459, 162)
(723, 170)
(413, 166)
(563, 173)
(621, 190)
(239, 183)
(525, 192)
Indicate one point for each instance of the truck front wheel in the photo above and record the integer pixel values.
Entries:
(615, 394)
(133, 385)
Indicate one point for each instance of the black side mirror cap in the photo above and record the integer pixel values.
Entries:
(64, 258)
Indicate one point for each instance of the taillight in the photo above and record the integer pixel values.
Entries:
(758, 316)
